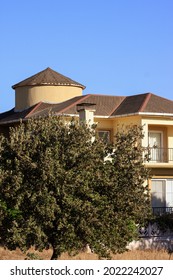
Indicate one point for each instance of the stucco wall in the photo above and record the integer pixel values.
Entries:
(106, 124)
(25, 97)
(170, 136)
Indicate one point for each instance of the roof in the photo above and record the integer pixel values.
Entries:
(106, 106)
(12, 116)
(144, 103)
(48, 77)
(130, 105)
(157, 104)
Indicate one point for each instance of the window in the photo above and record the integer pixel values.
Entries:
(158, 193)
(155, 143)
(155, 139)
(105, 135)
(162, 192)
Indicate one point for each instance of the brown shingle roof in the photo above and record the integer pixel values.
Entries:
(147, 102)
(48, 77)
(131, 104)
(105, 106)
(157, 104)
(12, 116)
(60, 108)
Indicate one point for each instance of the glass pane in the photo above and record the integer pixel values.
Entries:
(155, 144)
(169, 193)
(158, 193)
(155, 139)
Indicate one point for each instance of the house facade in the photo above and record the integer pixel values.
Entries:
(49, 90)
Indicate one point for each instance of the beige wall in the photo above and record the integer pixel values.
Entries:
(126, 122)
(117, 123)
(105, 124)
(26, 97)
(170, 136)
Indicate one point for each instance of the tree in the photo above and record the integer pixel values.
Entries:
(58, 190)
(132, 195)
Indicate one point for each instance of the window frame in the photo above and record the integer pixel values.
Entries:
(105, 131)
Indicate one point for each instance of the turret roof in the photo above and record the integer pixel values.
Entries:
(48, 77)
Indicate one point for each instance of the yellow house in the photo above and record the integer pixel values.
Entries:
(49, 90)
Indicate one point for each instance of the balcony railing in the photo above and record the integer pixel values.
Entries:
(157, 155)
(162, 210)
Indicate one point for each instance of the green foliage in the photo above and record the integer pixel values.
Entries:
(57, 189)
(164, 222)
(131, 176)
(32, 256)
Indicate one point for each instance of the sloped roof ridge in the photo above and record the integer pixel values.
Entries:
(145, 102)
(116, 107)
(132, 96)
(147, 99)
(167, 99)
(48, 77)
(12, 115)
(54, 105)
(34, 108)
(158, 104)
(75, 103)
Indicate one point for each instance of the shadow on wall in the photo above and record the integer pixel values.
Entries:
(152, 236)
(156, 243)
(161, 206)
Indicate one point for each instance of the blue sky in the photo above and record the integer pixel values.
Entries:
(113, 47)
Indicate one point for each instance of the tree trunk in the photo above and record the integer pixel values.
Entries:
(56, 254)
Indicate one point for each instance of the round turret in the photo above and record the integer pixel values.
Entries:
(46, 86)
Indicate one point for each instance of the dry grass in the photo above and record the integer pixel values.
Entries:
(46, 255)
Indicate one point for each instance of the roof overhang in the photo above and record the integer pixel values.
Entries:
(166, 115)
(144, 114)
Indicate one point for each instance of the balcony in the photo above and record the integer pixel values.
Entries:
(162, 210)
(158, 155)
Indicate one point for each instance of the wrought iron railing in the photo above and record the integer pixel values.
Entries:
(157, 155)
(162, 210)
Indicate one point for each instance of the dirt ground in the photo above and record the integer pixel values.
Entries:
(46, 255)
